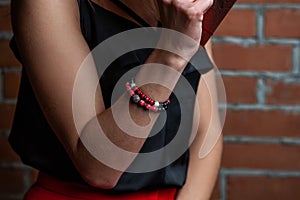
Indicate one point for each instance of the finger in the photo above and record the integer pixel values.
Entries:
(201, 17)
(198, 8)
(203, 5)
(183, 3)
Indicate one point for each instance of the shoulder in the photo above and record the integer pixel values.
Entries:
(44, 10)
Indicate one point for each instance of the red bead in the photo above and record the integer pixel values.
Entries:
(128, 87)
(139, 92)
(143, 96)
(148, 106)
(142, 103)
(147, 99)
(131, 93)
(151, 102)
(135, 88)
(168, 101)
(153, 108)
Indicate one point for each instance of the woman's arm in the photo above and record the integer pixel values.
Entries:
(202, 172)
(52, 48)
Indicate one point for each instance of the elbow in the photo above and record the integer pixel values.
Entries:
(92, 171)
(100, 181)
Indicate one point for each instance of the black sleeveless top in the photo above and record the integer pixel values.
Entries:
(35, 142)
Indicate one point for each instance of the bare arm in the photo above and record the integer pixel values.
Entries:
(202, 172)
(52, 47)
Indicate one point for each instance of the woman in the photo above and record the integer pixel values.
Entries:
(51, 39)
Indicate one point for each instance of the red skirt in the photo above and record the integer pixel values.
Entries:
(50, 188)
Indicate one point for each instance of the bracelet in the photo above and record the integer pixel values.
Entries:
(142, 100)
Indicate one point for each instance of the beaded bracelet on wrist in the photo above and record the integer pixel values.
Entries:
(142, 100)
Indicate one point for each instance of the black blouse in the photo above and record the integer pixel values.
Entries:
(33, 139)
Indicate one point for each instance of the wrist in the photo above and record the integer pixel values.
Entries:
(160, 74)
(169, 59)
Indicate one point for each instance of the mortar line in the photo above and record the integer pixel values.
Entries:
(259, 172)
(14, 165)
(257, 74)
(223, 185)
(261, 91)
(4, 133)
(264, 140)
(4, 2)
(266, 6)
(1, 85)
(287, 108)
(26, 179)
(14, 69)
(260, 20)
(296, 59)
(249, 41)
(5, 35)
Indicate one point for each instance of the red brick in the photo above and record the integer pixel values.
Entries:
(262, 123)
(240, 89)
(269, 1)
(5, 24)
(7, 58)
(283, 93)
(6, 116)
(263, 188)
(235, 24)
(11, 82)
(6, 152)
(282, 23)
(11, 181)
(253, 58)
(261, 156)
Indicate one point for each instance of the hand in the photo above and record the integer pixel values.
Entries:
(184, 16)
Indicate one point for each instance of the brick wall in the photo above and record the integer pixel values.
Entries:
(15, 178)
(257, 49)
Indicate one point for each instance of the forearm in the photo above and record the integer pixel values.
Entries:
(123, 119)
(202, 175)
(206, 148)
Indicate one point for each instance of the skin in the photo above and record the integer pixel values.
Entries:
(52, 59)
